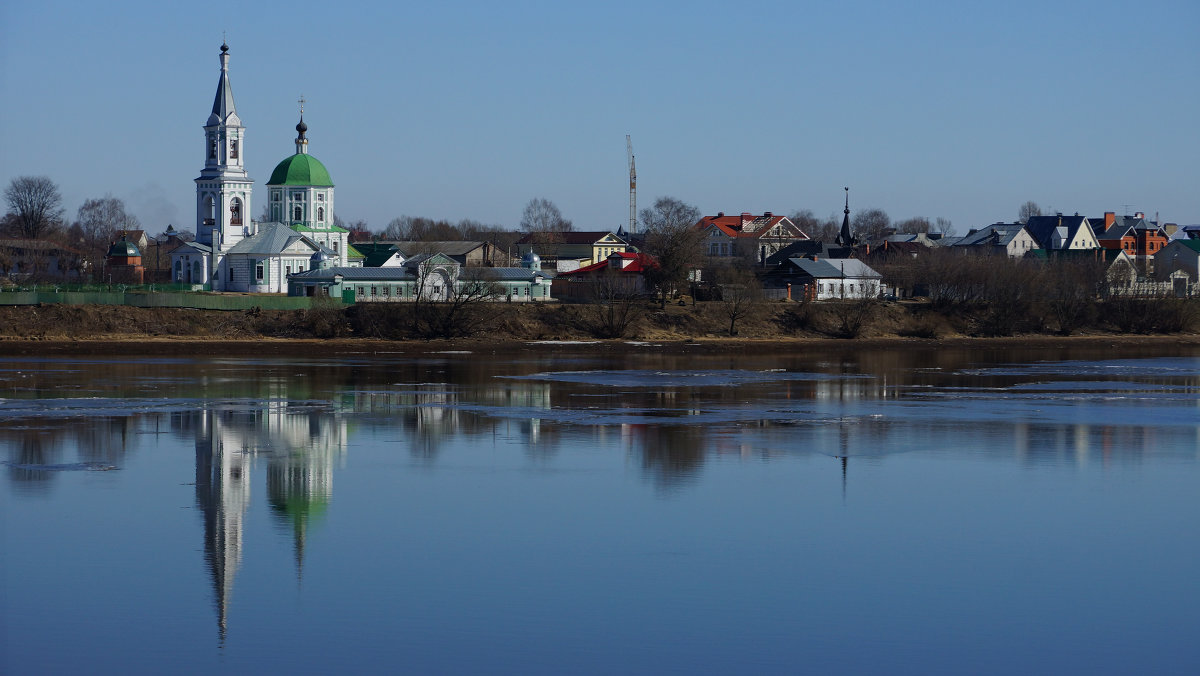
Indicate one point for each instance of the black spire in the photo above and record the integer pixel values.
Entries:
(845, 237)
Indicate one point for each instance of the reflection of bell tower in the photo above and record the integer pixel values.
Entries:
(223, 494)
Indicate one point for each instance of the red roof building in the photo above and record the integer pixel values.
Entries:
(748, 235)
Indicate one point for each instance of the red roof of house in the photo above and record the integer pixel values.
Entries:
(743, 225)
(638, 263)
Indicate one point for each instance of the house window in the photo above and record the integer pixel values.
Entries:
(258, 271)
(362, 292)
(385, 292)
(374, 291)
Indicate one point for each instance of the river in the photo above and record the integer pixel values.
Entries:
(560, 510)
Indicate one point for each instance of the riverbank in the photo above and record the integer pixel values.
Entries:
(67, 329)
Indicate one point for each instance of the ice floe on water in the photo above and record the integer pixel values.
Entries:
(659, 379)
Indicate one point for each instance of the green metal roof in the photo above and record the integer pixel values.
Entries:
(301, 169)
(124, 248)
(300, 227)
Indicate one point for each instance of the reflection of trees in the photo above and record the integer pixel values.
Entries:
(671, 454)
(33, 447)
(105, 440)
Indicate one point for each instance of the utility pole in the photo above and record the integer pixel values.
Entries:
(632, 186)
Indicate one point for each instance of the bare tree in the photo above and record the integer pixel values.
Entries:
(815, 228)
(915, 225)
(740, 296)
(945, 227)
(97, 222)
(541, 215)
(871, 224)
(1028, 210)
(675, 242)
(35, 204)
(615, 305)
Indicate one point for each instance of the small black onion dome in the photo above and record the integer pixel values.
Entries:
(224, 48)
(301, 127)
(319, 257)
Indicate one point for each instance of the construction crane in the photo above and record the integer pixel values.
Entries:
(632, 186)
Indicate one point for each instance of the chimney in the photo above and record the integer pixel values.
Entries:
(768, 214)
(1139, 214)
(720, 214)
(1110, 217)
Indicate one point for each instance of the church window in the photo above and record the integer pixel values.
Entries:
(235, 212)
(275, 213)
(335, 246)
(320, 197)
(212, 149)
(298, 196)
(289, 269)
(321, 213)
(233, 149)
(297, 213)
(276, 195)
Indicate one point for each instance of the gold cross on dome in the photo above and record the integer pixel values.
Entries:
(301, 102)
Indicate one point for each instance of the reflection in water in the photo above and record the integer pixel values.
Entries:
(38, 453)
(291, 416)
(301, 447)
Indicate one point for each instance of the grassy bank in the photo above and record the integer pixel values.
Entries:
(633, 321)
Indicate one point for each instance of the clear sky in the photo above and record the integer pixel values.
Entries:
(470, 109)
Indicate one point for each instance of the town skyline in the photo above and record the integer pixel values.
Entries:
(468, 112)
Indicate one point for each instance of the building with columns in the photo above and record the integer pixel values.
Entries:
(232, 252)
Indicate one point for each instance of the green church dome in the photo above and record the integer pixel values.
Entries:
(300, 169)
(124, 249)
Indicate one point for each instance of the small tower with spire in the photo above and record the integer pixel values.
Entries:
(301, 128)
(223, 189)
(845, 237)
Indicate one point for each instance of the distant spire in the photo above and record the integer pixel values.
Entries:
(224, 111)
(845, 237)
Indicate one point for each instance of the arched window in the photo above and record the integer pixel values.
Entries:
(297, 213)
(210, 210)
(320, 214)
(235, 211)
(212, 148)
(233, 150)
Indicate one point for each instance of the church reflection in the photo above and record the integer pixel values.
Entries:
(300, 446)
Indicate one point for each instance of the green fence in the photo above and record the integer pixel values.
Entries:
(198, 301)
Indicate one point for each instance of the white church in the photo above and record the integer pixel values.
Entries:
(232, 252)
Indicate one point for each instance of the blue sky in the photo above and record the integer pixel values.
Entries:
(468, 110)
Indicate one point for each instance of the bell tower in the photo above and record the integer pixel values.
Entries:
(223, 189)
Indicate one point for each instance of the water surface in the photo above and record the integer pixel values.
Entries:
(556, 511)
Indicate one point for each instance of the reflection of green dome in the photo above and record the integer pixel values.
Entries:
(300, 169)
(124, 248)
